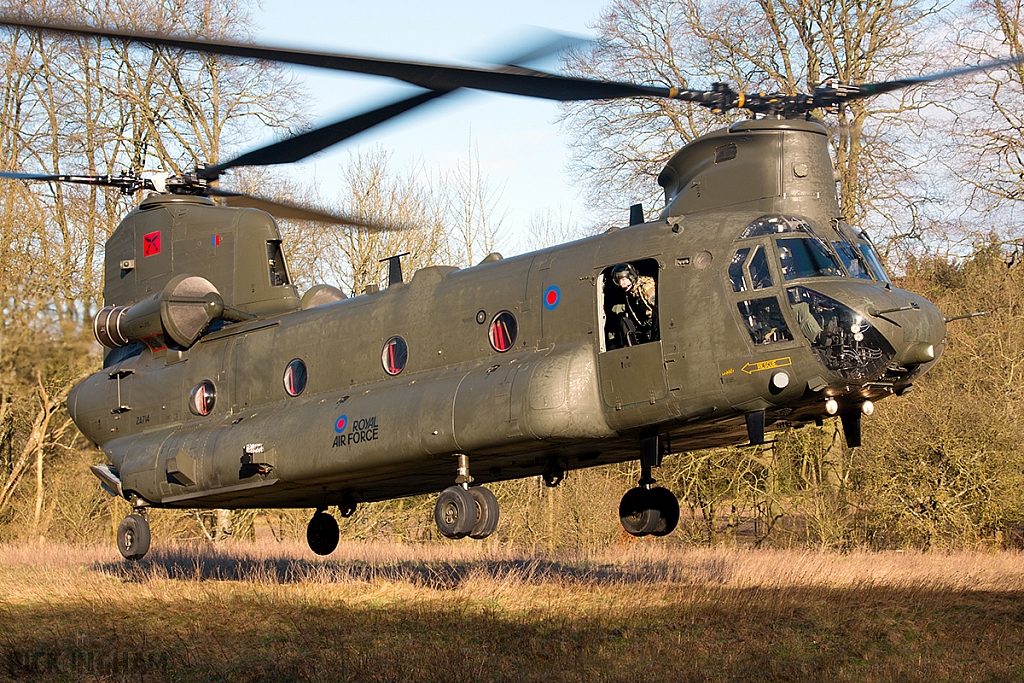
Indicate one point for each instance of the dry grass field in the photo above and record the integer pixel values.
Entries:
(462, 612)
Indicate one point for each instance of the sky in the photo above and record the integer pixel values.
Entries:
(521, 150)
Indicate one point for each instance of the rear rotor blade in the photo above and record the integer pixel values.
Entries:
(287, 210)
(306, 144)
(128, 184)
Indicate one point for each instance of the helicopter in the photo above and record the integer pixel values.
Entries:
(747, 305)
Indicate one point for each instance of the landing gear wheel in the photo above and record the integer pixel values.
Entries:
(322, 533)
(455, 512)
(638, 512)
(486, 512)
(133, 537)
(668, 509)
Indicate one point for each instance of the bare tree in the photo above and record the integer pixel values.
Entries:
(986, 148)
(756, 45)
(470, 210)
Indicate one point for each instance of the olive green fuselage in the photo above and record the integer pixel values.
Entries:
(562, 393)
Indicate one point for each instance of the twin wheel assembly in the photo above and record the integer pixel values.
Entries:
(649, 511)
(462, 512)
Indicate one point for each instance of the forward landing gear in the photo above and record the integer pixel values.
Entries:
(133, 537)
(649, 511)
(463, 510)
(322, 534)
(646, 509)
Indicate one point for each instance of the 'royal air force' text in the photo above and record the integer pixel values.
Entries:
(360, 431)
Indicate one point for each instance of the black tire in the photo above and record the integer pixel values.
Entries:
(322, 533)
(455, 512)
(638, 513)
(133, 537)
(486, 512)
(668, 510)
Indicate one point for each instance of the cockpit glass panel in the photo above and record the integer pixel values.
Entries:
(806, 258)
(736, 270)
(760, 276)
(774, 225)
(873, 262)
(852, 260)
(844, 341)
(764, 320)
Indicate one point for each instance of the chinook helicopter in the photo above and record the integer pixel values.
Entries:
(222, 387)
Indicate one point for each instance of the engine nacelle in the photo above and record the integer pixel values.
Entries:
(180, 313)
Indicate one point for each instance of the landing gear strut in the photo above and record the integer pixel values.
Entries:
(463, 510)
(646, 509)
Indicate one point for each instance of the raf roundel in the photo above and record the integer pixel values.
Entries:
(341, 423)
(552, 296)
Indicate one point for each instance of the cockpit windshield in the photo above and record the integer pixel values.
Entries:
(774, 225)
(800, 258)
(852, 260)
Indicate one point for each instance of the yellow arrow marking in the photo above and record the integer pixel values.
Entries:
(751, 368)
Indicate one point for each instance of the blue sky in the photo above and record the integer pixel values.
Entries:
(521, 149)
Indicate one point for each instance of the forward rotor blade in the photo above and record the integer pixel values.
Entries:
(306, 144)
(869, 89)
(291, 211)
(512, 80)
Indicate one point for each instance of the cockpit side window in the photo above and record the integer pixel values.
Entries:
(862, 247)
(736, 270)
(874, 263)
(764, 320)
(760, 276)
(801, 258)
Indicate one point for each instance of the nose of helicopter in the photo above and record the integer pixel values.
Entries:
(867, 335)
(914, 327)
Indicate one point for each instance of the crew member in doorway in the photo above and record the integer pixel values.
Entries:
(640, 322)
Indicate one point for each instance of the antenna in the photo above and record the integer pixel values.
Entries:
(394, 268)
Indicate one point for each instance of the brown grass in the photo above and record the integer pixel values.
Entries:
(453, 612)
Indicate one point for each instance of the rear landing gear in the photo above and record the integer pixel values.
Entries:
(133, 537)
(322, 534)
(463, 510)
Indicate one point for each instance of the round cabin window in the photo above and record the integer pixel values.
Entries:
(202, 398)
(394, 355)
(503, 331)
(295, 377)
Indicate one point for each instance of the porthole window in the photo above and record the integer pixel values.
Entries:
(202, 398)
(503, 331)
(395, 355)
(295, 377)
